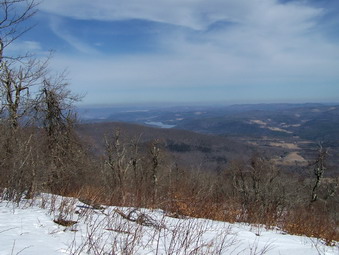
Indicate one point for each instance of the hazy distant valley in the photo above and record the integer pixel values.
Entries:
(289, 133)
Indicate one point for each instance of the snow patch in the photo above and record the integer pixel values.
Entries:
(31, 230)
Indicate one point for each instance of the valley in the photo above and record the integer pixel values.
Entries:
(211, 136)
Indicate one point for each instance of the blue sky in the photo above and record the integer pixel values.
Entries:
(229, 51)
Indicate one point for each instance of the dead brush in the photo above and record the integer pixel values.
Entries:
(67, 207)
(94, 196)
(182, 205)
(52, 203)
(306, 221)
(108, 234)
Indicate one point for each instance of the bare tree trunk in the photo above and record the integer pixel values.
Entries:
(155, 153)
(318, 171)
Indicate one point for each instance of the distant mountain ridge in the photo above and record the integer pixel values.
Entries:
(314, 121)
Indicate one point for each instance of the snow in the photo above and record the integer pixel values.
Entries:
(28, 228)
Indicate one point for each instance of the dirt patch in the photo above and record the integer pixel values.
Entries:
(290, 146)
(293, 158)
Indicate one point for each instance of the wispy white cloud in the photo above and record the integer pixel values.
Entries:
(197, 14)
(60, 29)
(263, 44)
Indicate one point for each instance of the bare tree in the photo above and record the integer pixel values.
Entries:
(17, 100)
(118, 164)
(55, 106)
(259, 188)
(54, 110)
(13, 17)
(17, 89)
(30, 93)
(17, 79)
(318, 171)
(138, 176)
(155, 157)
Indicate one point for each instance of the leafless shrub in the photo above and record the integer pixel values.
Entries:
(115, 234)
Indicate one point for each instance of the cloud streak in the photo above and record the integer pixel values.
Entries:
(60, 29)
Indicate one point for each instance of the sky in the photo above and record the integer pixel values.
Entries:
(210, 51)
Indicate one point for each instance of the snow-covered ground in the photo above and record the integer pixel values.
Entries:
(29, 228)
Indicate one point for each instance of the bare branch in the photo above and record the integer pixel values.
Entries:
(13, 14)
